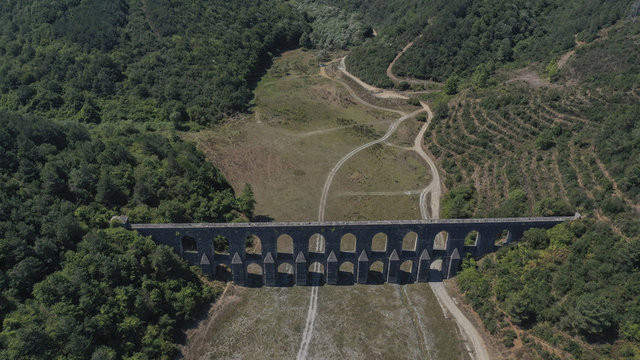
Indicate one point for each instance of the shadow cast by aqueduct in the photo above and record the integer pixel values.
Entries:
(401, 251)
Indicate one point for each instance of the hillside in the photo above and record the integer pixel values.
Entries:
(160, 61)
(72, 287)
(511, 150)
(456, 37)
(90, 95)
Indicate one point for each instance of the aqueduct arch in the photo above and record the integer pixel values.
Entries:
(405, 248)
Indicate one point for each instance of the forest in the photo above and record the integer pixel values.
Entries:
(91, 93)
(69, 284)
(456, 37)
(167, 61)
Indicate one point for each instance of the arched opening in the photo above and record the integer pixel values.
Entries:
(440, 241)
(405, 276)
(254, 275)
(317, 243)
(346, 273)
(223, 272)
(348, 243)
(285, 276)
(316, 274)
(284, 244)
(472, 238)
(221, 245)
(189, 245)
(376, 273)
(410, 241)
(379, 242)
(253, 245)
(435, 270)
(503, 238)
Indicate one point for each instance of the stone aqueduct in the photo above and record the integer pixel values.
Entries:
(403, 241)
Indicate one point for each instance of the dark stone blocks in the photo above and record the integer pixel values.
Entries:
(194, 242)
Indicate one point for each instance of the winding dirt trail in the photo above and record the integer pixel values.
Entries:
(434, 187)
(408, 80)
(376, 91)
(390, 73)
(468, 330)
(334, 170)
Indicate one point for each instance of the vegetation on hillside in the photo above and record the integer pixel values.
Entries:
(139, 60)
(511, 150)
(68, 288)
(332, 28)
(466, 34)
(85, 84)
(457, 37)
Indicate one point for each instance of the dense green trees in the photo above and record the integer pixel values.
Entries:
(129, 59)
(67, 289)
(469, 37)
(117, 295)
(586, 289)
(458, 203)
(332, 28)
(124, 68)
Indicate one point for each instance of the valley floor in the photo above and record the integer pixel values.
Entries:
(302, 125)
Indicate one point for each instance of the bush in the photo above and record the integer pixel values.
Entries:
(441, 110)
(613, 206)
(451, 85)
(413, 101)
(536, 238)
(458, 203)
(552, 207)
(508, 337)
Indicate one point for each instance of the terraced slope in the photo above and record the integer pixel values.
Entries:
(514, 149)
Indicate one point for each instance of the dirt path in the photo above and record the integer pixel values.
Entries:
(377, 92)
(328, 130)
(334, 170)
(380, 193)
(307, 333)
(434, 188)
(396, 79)
(390, 73)
(479, 348)
(468, 330)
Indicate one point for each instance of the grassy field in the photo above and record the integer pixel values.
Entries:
(406, 133)
(301, 125)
